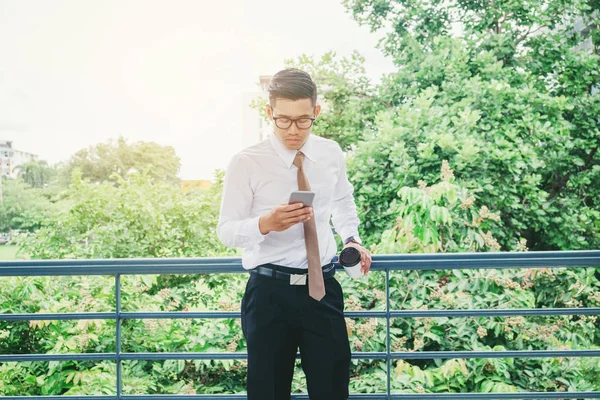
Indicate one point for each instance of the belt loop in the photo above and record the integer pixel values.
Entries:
(274, 272)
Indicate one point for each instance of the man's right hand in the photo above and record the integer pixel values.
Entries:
(283, 217)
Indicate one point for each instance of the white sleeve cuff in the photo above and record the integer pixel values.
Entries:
(252, 230)
(346, 233)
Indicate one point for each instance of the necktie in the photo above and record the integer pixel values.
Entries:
(316, 286)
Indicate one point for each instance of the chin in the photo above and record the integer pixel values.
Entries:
(294, 146)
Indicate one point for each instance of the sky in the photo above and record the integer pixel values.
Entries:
(76, 73)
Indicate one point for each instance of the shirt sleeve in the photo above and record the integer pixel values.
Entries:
(236, 228)
(344, 215)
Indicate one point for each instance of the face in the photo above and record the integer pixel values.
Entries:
(293, 137)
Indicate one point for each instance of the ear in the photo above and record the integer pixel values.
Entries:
(269, 111)
(317, 110)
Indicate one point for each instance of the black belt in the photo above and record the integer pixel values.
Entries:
(272, 271)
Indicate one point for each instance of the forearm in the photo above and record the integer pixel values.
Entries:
(243, 233)
(345, 217)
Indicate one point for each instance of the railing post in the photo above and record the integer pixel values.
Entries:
(118, 334)
(389, 340)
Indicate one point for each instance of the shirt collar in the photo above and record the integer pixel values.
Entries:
(288, 155)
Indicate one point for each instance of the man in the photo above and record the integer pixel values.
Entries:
(292, 299)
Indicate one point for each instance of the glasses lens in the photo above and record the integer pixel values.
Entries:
(304, 123)
(283, 123)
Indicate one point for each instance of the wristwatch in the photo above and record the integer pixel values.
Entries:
(354, 239)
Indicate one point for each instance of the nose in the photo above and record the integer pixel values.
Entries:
(293, 129)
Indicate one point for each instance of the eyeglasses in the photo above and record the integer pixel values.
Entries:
(301, 123)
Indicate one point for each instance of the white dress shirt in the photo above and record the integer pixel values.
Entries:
(261, 177)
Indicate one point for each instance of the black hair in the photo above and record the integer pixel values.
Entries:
(292, 84)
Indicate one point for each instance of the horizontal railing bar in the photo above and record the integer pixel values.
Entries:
(406, 355)
(379, 257)
(427, 355)
(184, 356)
(379, 314)
(358, 396)
(542, 312)
(489, 396)
(380, 355)
(411, 396)
(58, 357)
(90, 397)
(177, 396)
(440, 265)
(525, 312)
(57, 316)
(438, 261)
(180, 314)
(372, 396)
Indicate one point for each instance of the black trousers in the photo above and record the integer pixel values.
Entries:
(277, 319)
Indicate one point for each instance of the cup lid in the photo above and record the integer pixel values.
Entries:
(349, 256)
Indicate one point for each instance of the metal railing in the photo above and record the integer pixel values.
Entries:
(385, 263)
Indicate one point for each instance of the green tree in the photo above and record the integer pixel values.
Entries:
(137, 217)
(36, 173)
(509, 102)
(100, 161)
(25, 208)
(439, 218)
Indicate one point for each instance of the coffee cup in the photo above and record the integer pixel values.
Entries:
(350, 259)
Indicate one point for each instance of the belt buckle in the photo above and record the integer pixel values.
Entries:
(298, 279)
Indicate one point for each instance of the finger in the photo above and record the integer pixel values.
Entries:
(296, 213)
(291, 207)
(295, 220)
(367, 268)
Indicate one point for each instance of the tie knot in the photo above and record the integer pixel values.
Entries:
(299, 159)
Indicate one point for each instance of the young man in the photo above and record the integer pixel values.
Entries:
(292, 299)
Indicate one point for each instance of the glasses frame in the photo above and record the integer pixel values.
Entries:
(294, 121)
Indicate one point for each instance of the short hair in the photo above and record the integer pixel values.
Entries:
(292, 84)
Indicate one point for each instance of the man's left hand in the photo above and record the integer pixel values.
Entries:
(365, 257)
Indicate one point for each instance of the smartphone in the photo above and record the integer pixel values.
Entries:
(304, 197)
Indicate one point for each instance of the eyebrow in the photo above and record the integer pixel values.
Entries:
(287, 116)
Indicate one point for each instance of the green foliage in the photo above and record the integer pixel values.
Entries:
(24, 208)
(136, 217)
(98, 163)
(440, 218)
(36, 173)
(508, 102)
(456, 289)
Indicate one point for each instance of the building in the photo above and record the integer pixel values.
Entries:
(254, 127)
(10, 159)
